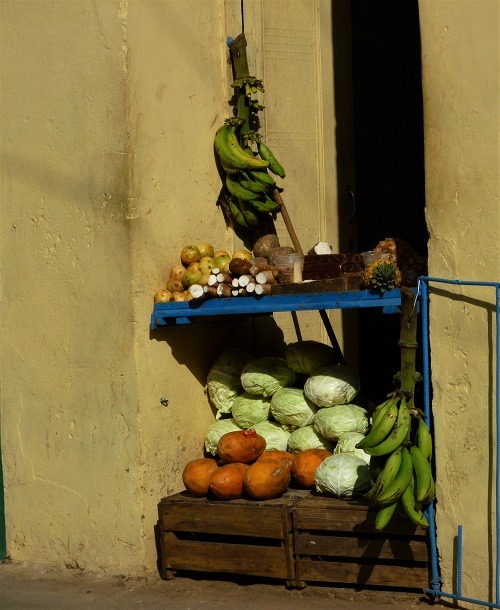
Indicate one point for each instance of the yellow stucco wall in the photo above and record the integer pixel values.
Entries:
(461, 78)
(108, 110)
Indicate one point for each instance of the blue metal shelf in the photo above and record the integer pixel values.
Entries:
(182, 313)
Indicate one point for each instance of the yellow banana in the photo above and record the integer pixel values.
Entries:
(385, 423)
(412, 508)
(423, 474)
(274, 165)
(227, 157)
(397, 435)
(401, 481)
(236, 149)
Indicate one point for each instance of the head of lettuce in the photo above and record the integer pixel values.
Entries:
(265, 376)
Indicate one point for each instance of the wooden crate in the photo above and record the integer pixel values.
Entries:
(238, 537)
(336, 543)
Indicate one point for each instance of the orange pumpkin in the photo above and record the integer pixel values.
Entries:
(267, 479)
(305, 464)
(196, 475)
(226, 483)
(242, 446)
(284, 457)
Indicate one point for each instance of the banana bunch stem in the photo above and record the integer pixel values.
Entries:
(248, 197)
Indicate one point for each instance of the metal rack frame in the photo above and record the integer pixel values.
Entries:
(435, 585)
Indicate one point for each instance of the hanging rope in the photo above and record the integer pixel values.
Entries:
(242, 15)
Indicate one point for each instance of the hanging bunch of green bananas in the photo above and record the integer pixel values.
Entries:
(400, 444)
(245, 160)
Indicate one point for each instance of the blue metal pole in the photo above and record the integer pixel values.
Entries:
(3, 538)
(459, 561)
(424, 305)
(497, 388)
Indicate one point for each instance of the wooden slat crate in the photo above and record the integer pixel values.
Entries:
(336, 543)
(239, 537)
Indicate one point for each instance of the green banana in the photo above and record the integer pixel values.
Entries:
(235, 188)
(384, 515)
(376, 466)
(401, 481)
(274, 165)
(251, 185)
(397, 435)
(423, 439)
(251, 218)
(237, 214)
(388, 473)
(412, 508)
(227, 157)
(236, 149)
(381, 430)
(265, 204)
(262, 176)
(431, 492)
(379, 410)
(229, 169)
(423, 474)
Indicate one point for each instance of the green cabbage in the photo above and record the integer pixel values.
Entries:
(347, 444)
(289, 406)
(274, 433)
(343, 475)
(332, 385)
(307, 438)
(216, 430)
(264, 376)
(333, 422)
(308, 356)
(249, 409)
(223, 380)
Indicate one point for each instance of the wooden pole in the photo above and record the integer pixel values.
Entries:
(296, 244)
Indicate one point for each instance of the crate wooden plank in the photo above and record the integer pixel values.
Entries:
(368, 547)
(414, 576)
(357, 519)
(237, 517)
(265, 561)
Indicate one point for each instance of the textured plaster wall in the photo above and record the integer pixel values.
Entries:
(108, 110)
(69, 400)
(461, 74)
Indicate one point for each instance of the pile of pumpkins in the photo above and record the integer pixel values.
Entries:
(246, 469)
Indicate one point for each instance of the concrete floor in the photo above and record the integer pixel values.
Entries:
(23, 587)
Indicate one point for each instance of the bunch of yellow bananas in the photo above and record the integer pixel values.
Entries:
(402, 465)
(250, 188)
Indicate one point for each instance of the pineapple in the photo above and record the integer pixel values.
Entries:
(382, 275)
(395, 250)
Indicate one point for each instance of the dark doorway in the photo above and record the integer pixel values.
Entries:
(389, 158)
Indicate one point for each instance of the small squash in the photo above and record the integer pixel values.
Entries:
(242, 446)
(284, 457)
(266, 480)
(226, 483)
(196, 476)
(305, 464)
